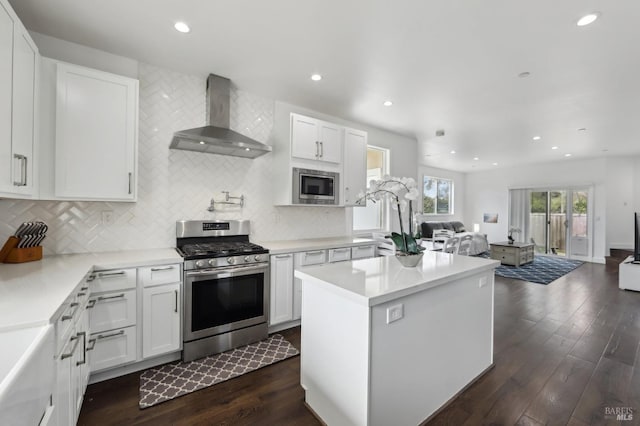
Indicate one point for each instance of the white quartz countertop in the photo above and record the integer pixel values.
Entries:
(30, 293)
(378, 280)
(290, 246)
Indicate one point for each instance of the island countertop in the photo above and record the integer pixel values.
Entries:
(378, 280)
(289, 246)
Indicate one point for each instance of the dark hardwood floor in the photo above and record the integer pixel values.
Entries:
(564, 354)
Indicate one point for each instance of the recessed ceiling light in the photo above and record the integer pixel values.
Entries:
(554, 147)
(387, 103)
(453, 152)
(524, 74)
(182, 27)
(475, 158)
(201, 142)
(247, 149)
(495, 164)
(588, 19)
(537, 138)
(567, 155)
(316, 77)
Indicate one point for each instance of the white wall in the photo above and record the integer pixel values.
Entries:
(174, 185)
(458, 194)
(621, 186)
(488, 192)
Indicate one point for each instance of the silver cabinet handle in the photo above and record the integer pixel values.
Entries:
(117, 296)
(166, 268)
(110, 274)
(84, 348)
(90, 278)
(283, 256)
(130, 174)
(312, 253)
(92, 345)
(68, 317)
(341, 250)
(106, 336)
(317, 149)
(23, 170)
(91, 303)
(321, 149)
(75, 346)
(84, 288)
(176, 292)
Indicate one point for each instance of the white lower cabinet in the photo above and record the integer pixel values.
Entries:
(286, 290)
(161, 315)
(112, 348)
(113, 310)
(281, 301)
(72, 360)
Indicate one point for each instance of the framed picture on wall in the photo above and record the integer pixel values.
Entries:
(490, 218)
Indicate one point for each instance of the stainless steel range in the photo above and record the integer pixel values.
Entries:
(226, 281)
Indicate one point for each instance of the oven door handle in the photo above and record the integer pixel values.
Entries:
(228, 272)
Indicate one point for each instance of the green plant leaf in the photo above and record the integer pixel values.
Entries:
(412, 245)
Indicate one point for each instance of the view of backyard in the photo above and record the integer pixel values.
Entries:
(554, 205)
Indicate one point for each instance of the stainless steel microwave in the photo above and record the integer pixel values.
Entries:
(315, 187)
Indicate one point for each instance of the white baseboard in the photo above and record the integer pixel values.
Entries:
(598, 260)
(283, 326)
(101, 376)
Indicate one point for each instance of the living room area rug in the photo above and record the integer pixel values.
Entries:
(173, 380)
(543, 269)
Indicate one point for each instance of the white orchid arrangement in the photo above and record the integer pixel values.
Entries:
(400, 191)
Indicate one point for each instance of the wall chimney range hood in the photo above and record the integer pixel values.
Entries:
(216, 137)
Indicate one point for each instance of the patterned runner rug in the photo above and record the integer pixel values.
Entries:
(173, 380)
(543, 269)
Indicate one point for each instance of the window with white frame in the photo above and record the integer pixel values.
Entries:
(373, 216)
(437, 196)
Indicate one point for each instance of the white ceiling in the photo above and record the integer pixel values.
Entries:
(445, 64)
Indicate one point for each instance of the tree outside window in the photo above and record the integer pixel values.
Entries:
(437, 196)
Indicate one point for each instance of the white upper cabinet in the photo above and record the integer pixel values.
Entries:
(19, 60)
(313, 139)
(355, 166)
(96, 133)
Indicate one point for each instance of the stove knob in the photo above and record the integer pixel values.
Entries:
(200, 264)
(257, 258)
(247, 259)
(212, 262)
(231, 260)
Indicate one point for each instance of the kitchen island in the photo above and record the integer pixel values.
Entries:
(383, 344)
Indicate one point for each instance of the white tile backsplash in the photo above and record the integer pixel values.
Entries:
(174, 185)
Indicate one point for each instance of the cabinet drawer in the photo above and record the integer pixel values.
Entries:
(339, 254)
(112, 310)
(361, 252)
(65, 322)
(162, 274)
(112, 280)
(315, 257)
(502, 249)
(506, 258)
(112, 348)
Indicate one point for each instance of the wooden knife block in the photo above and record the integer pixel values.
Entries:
(11, 254)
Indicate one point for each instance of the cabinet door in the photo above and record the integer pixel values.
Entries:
(112, 348)
(112, 310)
(304, 137)
(96, 134)
(25, 55)
(6, 83)
(161, 311)
(64, 402)
(355, 166)
(330, 137)
(281, 303)
(82, 361)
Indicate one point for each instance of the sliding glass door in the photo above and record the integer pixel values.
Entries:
(559, 221)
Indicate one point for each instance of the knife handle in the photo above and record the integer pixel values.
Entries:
(11, 243)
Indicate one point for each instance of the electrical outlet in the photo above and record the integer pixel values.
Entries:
(107, 217)
(394, 313)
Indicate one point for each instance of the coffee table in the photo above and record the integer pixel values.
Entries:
(515, 254)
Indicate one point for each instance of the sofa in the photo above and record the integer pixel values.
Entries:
(479, 243)
(427, 228)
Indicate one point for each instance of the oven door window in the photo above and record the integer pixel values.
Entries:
(220, 301)
(316, 185)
